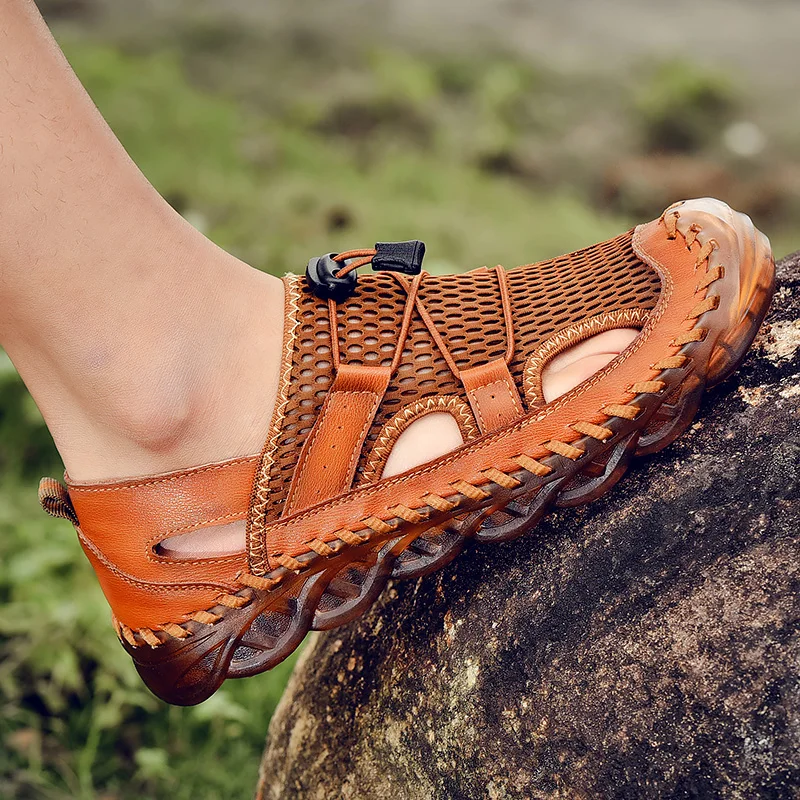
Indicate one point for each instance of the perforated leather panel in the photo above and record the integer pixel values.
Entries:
(467, 310)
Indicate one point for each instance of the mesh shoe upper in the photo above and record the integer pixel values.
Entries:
(467, 312)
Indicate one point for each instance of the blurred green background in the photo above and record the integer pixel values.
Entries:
(495, 131)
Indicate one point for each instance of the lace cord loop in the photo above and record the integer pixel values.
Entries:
(333, 278)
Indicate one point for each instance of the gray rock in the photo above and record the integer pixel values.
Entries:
(646, 646)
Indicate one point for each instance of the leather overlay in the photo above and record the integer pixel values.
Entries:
(330, 455)
(120, 523)
(391, 432)
(468, 314)
(675, 264)
(568, 337)
(493, 395)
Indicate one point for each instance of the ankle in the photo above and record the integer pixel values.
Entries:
(199, 385)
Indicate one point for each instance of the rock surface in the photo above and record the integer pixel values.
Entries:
(646, 646)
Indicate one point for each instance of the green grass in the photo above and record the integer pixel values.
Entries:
(74, 716)
(277, 190)
(75, 720)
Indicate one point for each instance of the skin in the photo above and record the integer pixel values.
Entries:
(120, 317)
(145, 346)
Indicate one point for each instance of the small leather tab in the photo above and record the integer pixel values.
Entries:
(54, 499)
(330, 455)
(493, 395)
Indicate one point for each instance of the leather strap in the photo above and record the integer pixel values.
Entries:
(330, 454)
(119, 516)
(493, 395)
(121, 522)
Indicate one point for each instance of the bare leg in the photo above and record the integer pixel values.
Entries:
(146, 347)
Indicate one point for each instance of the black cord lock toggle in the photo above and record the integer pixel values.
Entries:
(322, 272)
(322, 279)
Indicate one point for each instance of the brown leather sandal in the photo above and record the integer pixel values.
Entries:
(324, 530)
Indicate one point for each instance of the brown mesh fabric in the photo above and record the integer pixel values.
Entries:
(467, 311)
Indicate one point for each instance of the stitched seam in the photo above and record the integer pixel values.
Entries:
(476, 407)
(155, 586)
(556, 344)
(87, 488)
(516, 400)
(199, 562)
(234, 515)
(353, 463)
(402, 420)
(256, 541)
(167, 561)
(308, 447)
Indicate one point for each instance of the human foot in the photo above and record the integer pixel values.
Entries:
(424, 439)
(325, 531)
(135, 335)
(173, 409)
